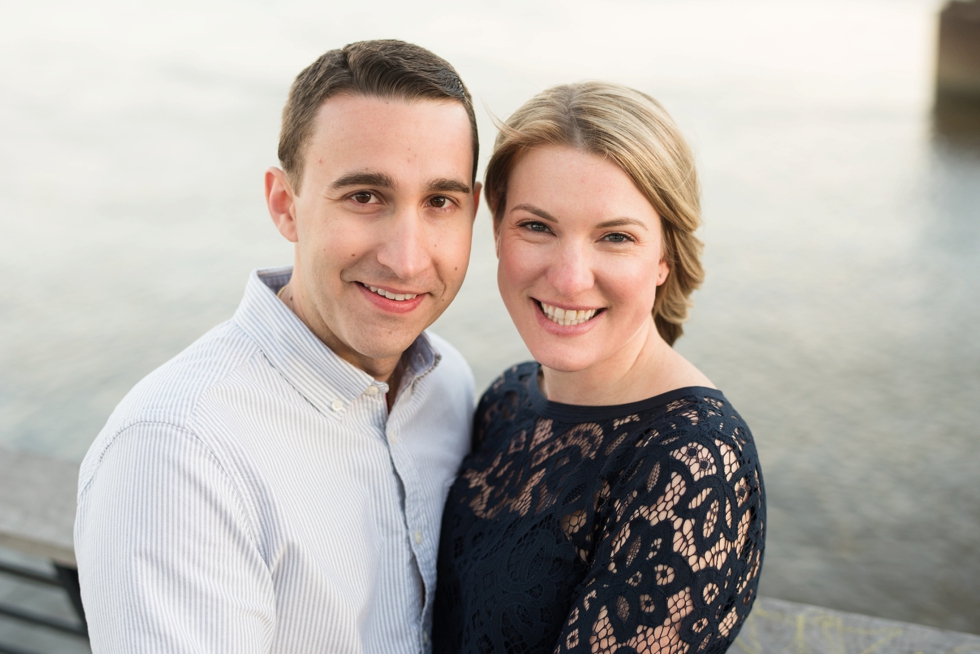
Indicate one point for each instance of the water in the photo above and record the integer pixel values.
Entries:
(842, 231)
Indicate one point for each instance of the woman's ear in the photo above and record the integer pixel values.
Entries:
(663, 269)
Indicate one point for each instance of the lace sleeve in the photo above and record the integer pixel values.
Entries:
(678, 549)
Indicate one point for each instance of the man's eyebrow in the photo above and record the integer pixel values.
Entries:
(377, 180)
(540, 213)
(446, 185)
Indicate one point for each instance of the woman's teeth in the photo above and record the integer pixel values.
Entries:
(566, 318)
(398, 297)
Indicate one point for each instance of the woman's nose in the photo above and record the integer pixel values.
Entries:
(570, 272)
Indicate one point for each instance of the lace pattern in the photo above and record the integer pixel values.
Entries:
(614, 529)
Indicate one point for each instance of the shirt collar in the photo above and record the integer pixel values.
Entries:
(327, 382)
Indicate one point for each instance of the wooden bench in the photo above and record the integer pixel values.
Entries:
(37, 516)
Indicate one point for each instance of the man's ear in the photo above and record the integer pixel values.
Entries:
(281, 200)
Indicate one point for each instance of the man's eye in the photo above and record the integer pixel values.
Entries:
(363, 197)
(440, 202)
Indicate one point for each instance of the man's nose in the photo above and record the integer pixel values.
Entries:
(404, 248)
(570, 272)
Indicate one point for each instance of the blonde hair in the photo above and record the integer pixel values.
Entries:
(631, 129)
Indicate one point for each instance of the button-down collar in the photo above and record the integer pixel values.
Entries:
(325, 380)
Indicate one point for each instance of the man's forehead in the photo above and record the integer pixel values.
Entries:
(392, 138)
(346, 111)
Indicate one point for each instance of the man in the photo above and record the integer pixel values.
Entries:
(278, 486)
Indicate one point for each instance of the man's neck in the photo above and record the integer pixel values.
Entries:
(395, 382)
(388, 371)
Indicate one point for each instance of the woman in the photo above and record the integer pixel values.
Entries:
(613, 498)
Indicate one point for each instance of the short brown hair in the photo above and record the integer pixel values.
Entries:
(385, 69)
(633, 131)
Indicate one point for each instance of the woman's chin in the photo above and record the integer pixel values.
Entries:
(561, 361)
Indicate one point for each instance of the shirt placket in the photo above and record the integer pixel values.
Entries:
(420, 533)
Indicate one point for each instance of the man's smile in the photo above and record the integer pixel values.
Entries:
(391, 295)
(390, 301)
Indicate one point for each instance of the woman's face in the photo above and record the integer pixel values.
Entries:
(580, 258)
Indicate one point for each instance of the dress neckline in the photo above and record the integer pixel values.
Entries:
(586, 413)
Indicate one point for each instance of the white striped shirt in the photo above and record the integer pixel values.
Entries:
(253, 494)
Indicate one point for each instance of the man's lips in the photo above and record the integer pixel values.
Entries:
(391, 300)
(398, 296)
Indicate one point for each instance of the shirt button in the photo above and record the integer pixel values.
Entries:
(337, 405)
(393, 438)
(372, 390)
(425, 637)
(418, 537)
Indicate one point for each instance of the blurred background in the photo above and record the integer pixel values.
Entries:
(842, 230)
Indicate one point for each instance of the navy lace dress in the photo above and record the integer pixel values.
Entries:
(631, 528)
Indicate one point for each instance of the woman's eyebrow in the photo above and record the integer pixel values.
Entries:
(540, 213)
(619, 222)
(615, 222)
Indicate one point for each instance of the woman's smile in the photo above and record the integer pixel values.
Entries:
(567, 317)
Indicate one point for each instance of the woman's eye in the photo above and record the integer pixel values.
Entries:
(535, 227)
(617, 238)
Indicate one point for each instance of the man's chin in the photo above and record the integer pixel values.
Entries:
(382, 349)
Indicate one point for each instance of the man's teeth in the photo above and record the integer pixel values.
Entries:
(566, 318)
(399, 297)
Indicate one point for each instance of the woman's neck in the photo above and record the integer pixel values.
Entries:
(644, 367)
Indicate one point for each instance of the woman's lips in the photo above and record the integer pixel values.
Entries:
(567, 317)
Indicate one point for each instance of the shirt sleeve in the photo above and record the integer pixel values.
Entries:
(679, 551)
(167, 558)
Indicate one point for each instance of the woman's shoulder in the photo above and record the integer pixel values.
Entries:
(512, 378)
(702, 418)
(511, 385)
(699, 412)
(503, 399)
(695, 429)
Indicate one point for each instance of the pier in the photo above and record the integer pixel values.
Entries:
(957, 102)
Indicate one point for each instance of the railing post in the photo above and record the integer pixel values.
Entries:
(69, 581)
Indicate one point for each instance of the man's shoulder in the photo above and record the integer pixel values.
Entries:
(171, 394)
(173, 388)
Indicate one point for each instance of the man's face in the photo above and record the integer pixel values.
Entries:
(382, 223)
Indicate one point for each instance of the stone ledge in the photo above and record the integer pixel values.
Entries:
(37, 517)
(779, 627)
